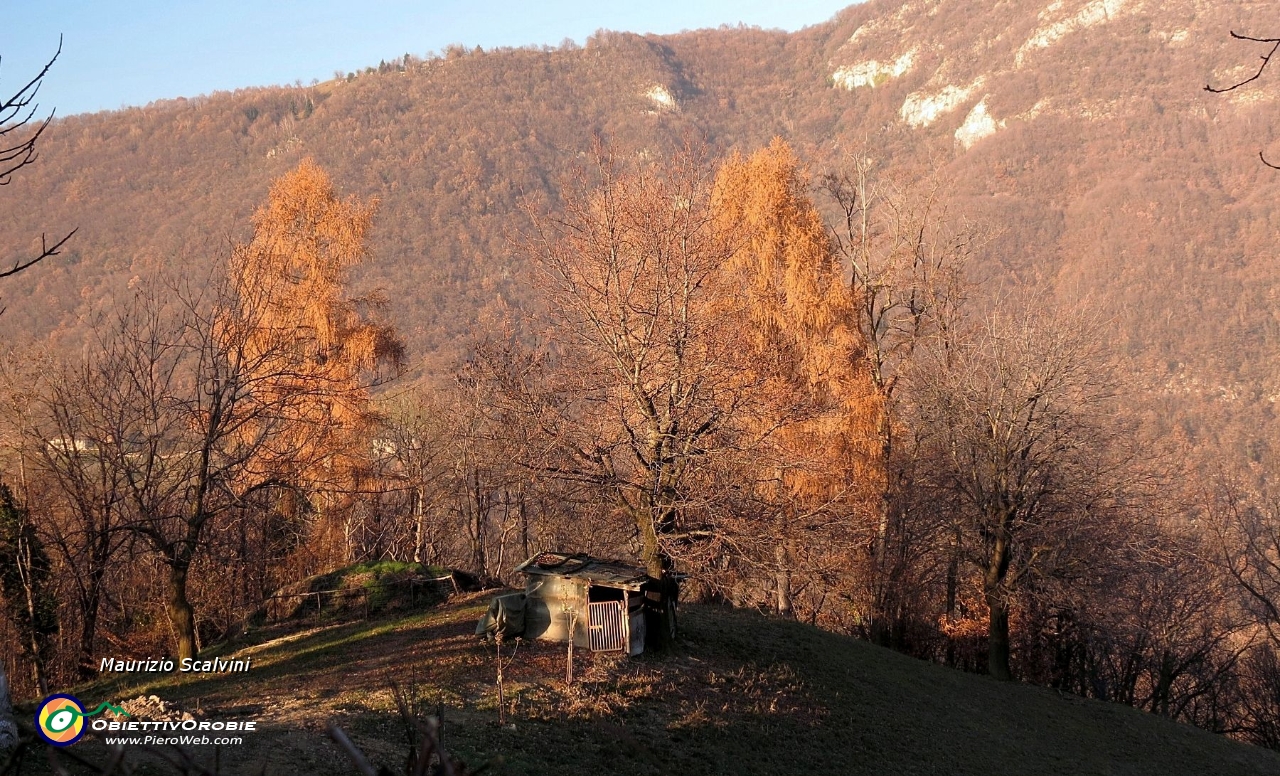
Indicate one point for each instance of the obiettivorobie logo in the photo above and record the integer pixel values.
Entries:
(60, 718)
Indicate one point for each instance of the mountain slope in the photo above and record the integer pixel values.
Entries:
(1077, 131)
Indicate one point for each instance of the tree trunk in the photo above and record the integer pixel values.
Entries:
(35, 646)
(181, 615)
(656, 565)
(881, 584)
(35, 635)
(481, 504)
(998, 636)
(783, 582)
(85, 668)
(419, 523)
(953, 586)
(1164, 686)
(524, 528)
(88, 634)
(997, 597)
(650, 551)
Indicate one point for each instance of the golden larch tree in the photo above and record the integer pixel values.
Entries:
(290, 281)
(818, 406)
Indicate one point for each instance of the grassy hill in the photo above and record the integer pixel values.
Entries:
(743, 694)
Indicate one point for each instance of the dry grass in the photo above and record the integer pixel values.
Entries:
(742, 694)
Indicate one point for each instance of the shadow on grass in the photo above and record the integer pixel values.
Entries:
(354, 654)
(742, 694)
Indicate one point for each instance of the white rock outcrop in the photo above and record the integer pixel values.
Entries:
(921, 109)
(977, 125)
(873, 72)
(662, 98)
(1093, 13)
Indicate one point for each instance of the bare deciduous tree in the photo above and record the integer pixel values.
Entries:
(17, 150)
(907, 260)
(705, 373)
(1247, 528)
(208, 395)
(414, 438)
(198, 418)
(640, 367)
(67, 423)
(1019, 413)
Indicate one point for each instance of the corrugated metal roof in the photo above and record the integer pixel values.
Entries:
(611, 573)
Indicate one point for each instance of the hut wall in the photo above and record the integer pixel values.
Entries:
(546, 600)
(635, 622)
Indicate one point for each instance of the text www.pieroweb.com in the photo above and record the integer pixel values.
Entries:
(174, 741)
(172, 733)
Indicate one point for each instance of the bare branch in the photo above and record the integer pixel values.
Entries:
(46, 251)
(352, 752)
(1266, 60)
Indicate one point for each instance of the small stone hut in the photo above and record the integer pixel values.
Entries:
(604, 605)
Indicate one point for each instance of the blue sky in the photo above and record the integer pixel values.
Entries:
(130, 53)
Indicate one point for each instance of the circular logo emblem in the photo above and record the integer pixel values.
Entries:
(60, 720)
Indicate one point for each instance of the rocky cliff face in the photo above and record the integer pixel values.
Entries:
(1081, 131)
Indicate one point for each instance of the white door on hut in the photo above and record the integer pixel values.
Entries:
(616, 619)
(607, 615)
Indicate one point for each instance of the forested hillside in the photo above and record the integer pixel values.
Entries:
(950, 325)
(1081, 137)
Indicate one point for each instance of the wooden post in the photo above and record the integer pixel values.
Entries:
(572, 615)
(568, 666)
(502, 711)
